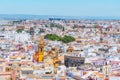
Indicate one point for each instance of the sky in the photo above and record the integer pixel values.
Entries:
(61, 7)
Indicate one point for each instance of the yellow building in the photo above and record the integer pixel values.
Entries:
(50, 60)
(39, 55)
(41, 50)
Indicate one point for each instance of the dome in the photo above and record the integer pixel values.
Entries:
(70, 48)
(50, 52)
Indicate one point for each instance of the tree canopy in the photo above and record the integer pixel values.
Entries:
(65, 39)
(19, 30)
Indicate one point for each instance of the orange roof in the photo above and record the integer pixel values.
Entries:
(99, 74)
(30, 47)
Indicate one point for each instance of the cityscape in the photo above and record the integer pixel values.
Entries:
(50, 40)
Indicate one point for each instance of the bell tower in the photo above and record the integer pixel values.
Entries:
(39, 54)
(41, 45)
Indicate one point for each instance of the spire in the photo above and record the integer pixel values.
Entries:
(41, 42)
(41, 39)
(38, 57)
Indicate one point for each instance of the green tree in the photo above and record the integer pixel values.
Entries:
(52, 37)
(19, 30)
(65, 39)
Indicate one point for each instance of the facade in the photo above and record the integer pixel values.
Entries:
(71, 61)
(107, 71)
(5, 72)
(49, 64)
(39, 55)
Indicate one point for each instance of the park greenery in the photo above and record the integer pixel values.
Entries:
(54, 37)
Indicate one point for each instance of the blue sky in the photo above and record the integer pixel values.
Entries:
(61, 7)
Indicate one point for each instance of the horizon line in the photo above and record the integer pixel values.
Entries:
(59, 15)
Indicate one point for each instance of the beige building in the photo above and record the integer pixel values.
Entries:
(6, 73)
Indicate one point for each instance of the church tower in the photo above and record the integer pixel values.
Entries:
(39, 55)
(41, 50)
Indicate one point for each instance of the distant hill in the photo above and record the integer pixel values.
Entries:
(25, 16)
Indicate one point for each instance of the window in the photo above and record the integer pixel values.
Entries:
(8, 69)
(40, 49)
